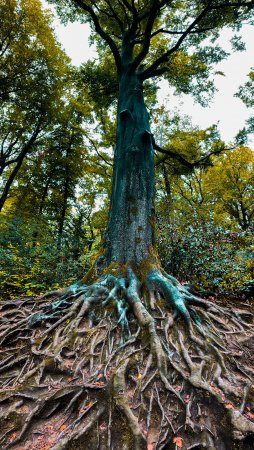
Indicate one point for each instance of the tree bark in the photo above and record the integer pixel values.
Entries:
(130, 231)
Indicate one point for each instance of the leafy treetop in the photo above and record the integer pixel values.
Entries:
(153, 37)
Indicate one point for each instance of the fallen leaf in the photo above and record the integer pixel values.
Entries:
(103, 426)
(178, 441)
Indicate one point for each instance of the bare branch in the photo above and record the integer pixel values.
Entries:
(172, 154)
(154, 73)
(128, 7)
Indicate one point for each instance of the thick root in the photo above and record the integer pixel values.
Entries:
(120, 364)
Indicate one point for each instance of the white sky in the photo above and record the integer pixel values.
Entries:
(228, 111)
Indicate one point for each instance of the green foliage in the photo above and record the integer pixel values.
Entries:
(30, 260)
(211, 258)
(179, 36)
(207, 238)
(49, 226)
(33, 67)
(101, 81)
(33, 74)
(245, 92)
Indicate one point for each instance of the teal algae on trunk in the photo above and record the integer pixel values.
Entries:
(130, 233)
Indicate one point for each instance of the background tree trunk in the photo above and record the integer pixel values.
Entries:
(63, 212)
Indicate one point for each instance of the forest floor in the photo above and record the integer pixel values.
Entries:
(79, 380)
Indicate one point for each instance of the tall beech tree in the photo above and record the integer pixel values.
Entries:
(144, 46)
(129, 337)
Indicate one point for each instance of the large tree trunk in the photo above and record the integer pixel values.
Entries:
(130, 231)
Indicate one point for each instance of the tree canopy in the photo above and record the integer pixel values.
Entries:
(166, 38)
(32, 77)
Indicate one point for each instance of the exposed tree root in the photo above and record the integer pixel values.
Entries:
(122, 364)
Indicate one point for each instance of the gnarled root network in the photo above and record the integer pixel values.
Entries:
(127, 365)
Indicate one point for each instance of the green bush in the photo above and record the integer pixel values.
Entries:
(209, 257)
(31, 263)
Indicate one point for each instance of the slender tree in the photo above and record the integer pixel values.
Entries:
(184, 387)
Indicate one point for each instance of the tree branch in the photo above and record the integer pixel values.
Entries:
(147, 35)
(120, 23)
(128, 7)
(233, 4)
(133, 26)
(172, 154)
(164, 58)
(155, 73)
(20, 159)
(184, 161)
(171, 32)
(97, 151)
(105, 36)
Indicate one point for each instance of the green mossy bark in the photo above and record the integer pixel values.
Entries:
(130, 233)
